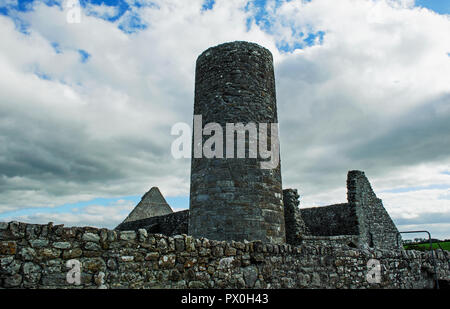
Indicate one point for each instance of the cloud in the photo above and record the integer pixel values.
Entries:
(93, 215)
(100, 127)
(86, 109)
(102, 11)
(372, 96)
(438, 231)
(10, 3)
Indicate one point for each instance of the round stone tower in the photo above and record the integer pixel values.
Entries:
(235, 198)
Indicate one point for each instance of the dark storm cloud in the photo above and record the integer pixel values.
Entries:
(421, 135)
(327, 130)
(37, 149)
(346, 140)
(44, 158)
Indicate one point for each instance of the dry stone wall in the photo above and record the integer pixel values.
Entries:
(35, 256)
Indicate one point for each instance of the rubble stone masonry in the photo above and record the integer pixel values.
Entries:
(35, 256)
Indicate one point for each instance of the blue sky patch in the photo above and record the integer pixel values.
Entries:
(208, 5)
(176, 203)
(313, 37)
(303, 41)
(21, 25)
(132, 22)
(84, 55)
(69, 208)
(56, 47)
(439, 6)
(24, 5)
(286, 47)
(420, 188)
(259, 8)
(42, 75)
(3, 11)
(121, 6)
(261, 16)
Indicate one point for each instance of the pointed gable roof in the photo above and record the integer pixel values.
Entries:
(152, 204)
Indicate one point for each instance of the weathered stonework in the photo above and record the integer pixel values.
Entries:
(376, 228)
(363, 215)
(234, 199)
(130, 259)
(295, 226)
(362, 221)
(152, 204)
(333, 220)
(172, 224)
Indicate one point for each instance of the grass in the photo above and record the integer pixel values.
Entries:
(426, 246)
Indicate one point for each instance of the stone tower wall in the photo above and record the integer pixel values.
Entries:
(234, 199)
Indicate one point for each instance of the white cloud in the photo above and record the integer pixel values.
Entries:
(94, 215)
(102, 10)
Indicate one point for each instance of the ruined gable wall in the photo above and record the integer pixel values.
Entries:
(376, 227)
(152, 204)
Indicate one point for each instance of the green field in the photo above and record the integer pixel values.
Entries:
(422, 247)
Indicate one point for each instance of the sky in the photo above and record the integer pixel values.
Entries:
(86, 109)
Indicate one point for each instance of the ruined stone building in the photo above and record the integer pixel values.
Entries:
(361, 222)
(242, 230)
(234, 198)
(152, 204)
